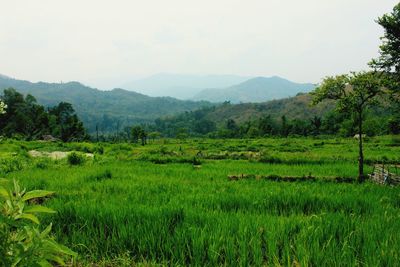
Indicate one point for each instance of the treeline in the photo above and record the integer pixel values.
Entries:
(25, 119)
(378, 122)
(195, 124)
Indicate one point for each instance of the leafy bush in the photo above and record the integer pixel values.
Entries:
(99, 150)
(43, 163)
(76, 158)
(196, 161)
(267, 158)
(21, 241)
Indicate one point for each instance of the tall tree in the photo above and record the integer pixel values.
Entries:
(353, 93)
(389, 59)
(285, 127)
(316, 123)
(69, 126)
(266, 125)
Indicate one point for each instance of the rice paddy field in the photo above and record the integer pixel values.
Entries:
(207, 202)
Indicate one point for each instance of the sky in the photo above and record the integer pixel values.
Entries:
(107, 43)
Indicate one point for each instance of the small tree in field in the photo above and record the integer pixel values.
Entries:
(353, 94)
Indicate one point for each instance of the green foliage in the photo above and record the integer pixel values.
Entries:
(138, 133)
(65, 123)
(389, 59)
(75, 158)
(21, 241)
(3, 107)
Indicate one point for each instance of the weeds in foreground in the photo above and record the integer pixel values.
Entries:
(22, 243)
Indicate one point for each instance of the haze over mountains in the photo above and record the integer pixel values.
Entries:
(218, 88)
(181, 86)
(259, 89)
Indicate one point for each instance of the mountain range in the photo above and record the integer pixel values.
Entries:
(181, 86)
(111, 110)
(218, 88)
(255, 90)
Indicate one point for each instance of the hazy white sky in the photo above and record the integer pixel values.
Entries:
(105, 43)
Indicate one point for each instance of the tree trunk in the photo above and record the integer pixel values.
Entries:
(360, 149)
(97, 132)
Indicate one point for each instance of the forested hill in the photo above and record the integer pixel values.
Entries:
(290, 116)
(296, 110)
(111, 110)
(297, 107)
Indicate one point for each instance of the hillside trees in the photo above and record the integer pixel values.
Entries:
(30, 120)
(138, 133)
(65, 123)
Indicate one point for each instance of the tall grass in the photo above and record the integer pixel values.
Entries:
(122, 205)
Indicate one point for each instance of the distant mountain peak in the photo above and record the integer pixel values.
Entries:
(181, 86)
(257, 89)
(2, 76)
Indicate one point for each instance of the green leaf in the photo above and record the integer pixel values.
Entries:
(16, 261)
(27, 216)
(46, 231)
(36, 194)
(44, 263)
(59, 248)
(38, 209)
(4, 181)
(56, 259)
(68, 251)
(3, 193)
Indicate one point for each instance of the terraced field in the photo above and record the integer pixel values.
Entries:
(291, 201)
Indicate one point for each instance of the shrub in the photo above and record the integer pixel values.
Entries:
(21, 241)
(99, 150)
(76, 158)
(196, 161)
(267, 158)
(42, 164)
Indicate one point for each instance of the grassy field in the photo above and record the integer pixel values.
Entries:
(171, 202)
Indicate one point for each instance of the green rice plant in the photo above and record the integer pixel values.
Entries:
(103, 175)
(300, 208)
(22, 243)
(11, 164)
